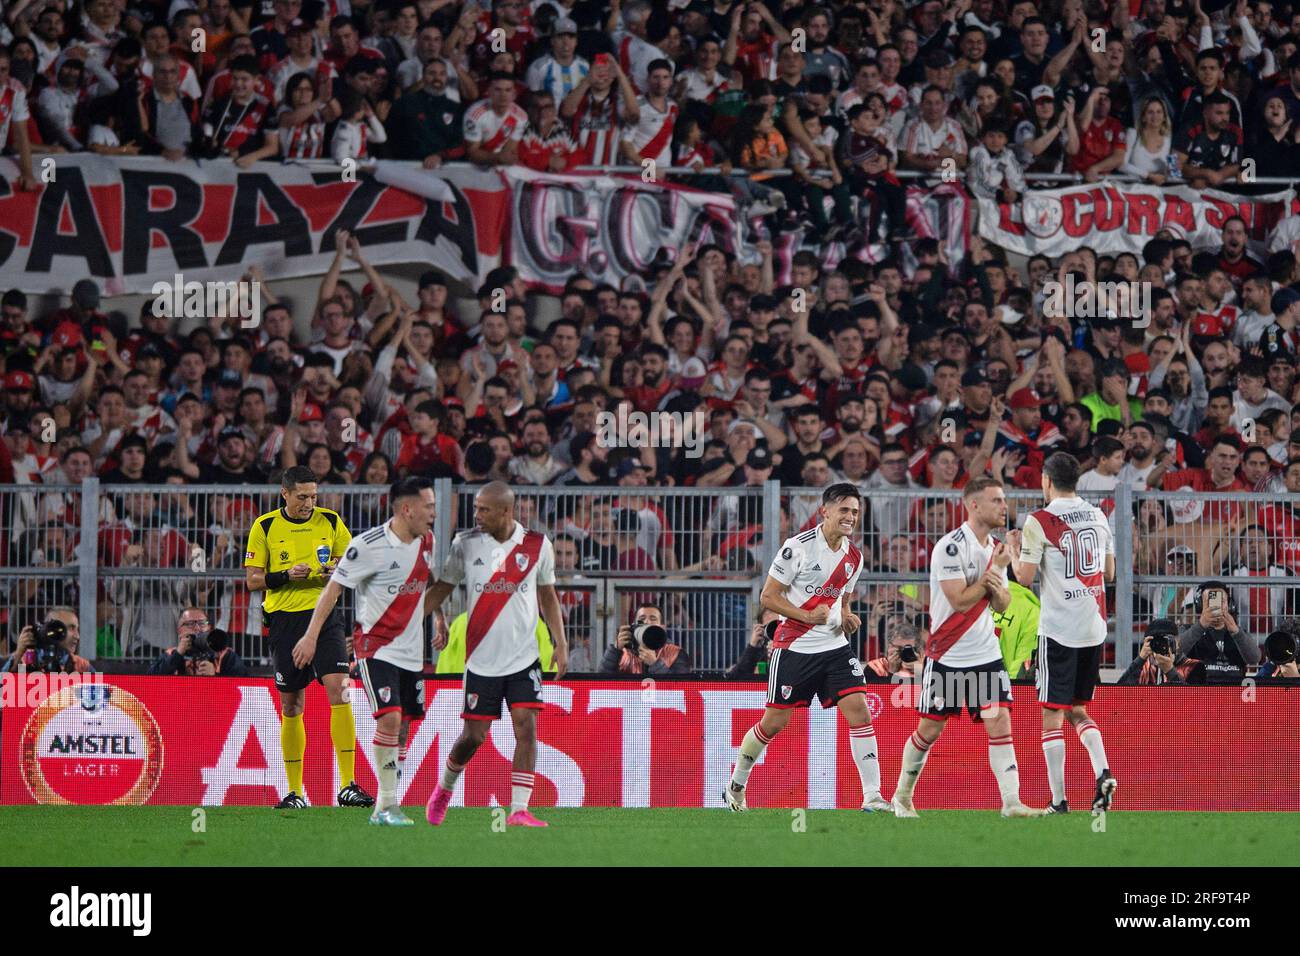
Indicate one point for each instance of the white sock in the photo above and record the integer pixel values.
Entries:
(1090, 736)
(915, 752)
(1054, 754)
(521, 788)
(385, 747)
(450, 774)
(751, 748)
(1002, 759)
(862, 742)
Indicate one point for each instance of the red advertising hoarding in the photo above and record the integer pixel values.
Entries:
(216, 741)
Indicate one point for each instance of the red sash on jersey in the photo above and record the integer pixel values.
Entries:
(398, 614)
(652, 149)
(952, 630)
(501, 135)
(493, 599)
(791, 629)
(1055, 529)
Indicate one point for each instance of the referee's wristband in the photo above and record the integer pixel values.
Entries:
(276, 579)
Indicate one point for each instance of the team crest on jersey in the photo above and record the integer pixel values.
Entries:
(472, 700)
(848, 570)
(521, 561)
(284, 555)
(786, 691)
(447, 118)
(385, 693)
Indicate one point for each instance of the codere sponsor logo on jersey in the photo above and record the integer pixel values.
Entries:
(501, 587)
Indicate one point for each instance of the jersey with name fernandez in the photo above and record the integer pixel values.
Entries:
(815, 575)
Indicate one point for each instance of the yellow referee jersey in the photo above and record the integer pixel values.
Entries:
(277, 542)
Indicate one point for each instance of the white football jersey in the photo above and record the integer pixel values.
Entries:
(389, 579)
(1070, 539)
(501, 578)
(815, 575)
(968, 635)
(492, 132)
(652, 136)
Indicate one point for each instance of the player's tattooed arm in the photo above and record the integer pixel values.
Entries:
(433, 600)
(773, 599)
(850, 622)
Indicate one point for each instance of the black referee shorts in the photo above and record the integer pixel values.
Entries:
(286, 629)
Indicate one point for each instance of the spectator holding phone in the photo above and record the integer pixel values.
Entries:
(1215, 637)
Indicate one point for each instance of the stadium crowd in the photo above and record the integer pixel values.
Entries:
(910, 373)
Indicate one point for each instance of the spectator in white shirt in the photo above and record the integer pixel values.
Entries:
(1104, 477)
(1147, 156)
(357, 126)
(994, 170)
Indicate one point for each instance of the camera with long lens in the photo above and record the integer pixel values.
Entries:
(206, 647)
(770, 629)
(651, 635)
(1280, 648)
(48, 652)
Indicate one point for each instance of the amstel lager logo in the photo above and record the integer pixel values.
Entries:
(91, 744)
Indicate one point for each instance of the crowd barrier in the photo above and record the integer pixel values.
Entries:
(216, 742)
(129, 558)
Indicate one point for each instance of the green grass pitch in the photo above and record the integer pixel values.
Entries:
(254, 836)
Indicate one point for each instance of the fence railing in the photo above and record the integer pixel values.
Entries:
(129, 558)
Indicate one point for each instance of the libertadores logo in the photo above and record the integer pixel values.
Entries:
(91, 744)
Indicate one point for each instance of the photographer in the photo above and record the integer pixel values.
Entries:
(1280, 649)
(902, 653)
(1215, 638)
(643, 648)
(1159, 662)
(200, 651)
(50, 646)
(753, 659)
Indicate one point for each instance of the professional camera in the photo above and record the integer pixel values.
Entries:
(651, 635)
(1280, 647)
(205, 647)
(48, 652)
(1162, 633)
(907, 654)
(770, 628)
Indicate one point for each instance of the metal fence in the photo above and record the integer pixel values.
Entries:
(128, 558)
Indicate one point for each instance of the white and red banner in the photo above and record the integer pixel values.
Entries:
(216, 741)
(606, 227)
(1123, 217)
(942, 213)
(131, 222)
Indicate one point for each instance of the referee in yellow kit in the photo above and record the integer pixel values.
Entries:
(291, 552)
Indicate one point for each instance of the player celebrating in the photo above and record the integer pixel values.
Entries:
(819, 569)
(1072, 541)
(963, 665)
(508, 572)
(291, 552)
(389, 567)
